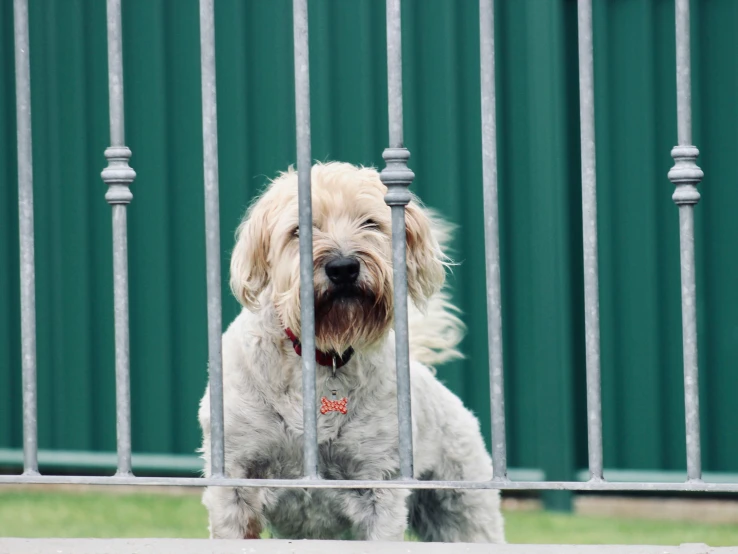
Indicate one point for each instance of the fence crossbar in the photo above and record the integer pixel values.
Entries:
(689, 486)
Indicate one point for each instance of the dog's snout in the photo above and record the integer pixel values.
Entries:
(342, 270)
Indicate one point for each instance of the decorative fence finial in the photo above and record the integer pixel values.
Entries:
(118, 175)
(685, 175)
(397, 176)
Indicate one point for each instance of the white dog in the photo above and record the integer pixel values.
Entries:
(357, 423)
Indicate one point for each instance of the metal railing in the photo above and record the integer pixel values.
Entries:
(397, 176)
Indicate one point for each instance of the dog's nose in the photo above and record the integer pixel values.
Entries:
(343, 270)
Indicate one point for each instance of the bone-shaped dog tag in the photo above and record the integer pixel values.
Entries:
(334, 398)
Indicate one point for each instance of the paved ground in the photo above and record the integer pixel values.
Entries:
(199, 546)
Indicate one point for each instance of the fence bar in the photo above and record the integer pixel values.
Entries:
(118, 176)
(394, 73)
(304, 165)
(212, 234)
(589, 236)
(491, 237)
(686, 175)
(25, 224)
(689, 486)
(397, 177)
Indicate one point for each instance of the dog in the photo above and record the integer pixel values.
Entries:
(355, 374)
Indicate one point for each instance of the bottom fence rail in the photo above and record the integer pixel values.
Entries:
(688, 486)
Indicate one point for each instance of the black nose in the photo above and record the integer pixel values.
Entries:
(342, 271)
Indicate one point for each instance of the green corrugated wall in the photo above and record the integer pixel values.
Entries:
(539, 181)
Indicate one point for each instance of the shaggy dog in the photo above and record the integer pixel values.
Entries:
(357, 423)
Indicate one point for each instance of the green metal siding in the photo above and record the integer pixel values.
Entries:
(538, 137)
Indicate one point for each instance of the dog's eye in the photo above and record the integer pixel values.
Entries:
(370, 224)
(296, 231)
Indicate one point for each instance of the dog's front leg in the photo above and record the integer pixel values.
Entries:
(378, 515)
(234, 513)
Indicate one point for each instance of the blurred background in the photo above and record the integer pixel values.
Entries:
(540, 211)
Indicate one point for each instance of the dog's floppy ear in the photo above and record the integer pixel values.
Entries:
(249, 263)
(426, 270)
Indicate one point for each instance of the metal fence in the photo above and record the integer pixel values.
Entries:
(397, 176)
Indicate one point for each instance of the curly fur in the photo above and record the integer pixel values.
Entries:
(263, 380)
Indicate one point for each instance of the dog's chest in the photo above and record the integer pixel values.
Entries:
(354, 422)
(356, 445)
(350, 454)
(360, 445)
(358, 442)
(321, 513)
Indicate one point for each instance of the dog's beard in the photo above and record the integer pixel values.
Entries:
(350, 316)
(357, 315)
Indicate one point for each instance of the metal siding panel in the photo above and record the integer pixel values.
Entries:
(188, 318)
(10, 358)
(269, 63)
(72, 387)
(671, 433)
(515, 244)
(634, 189)
(434, 128)
(550, 141)
(100, 337)
(470, 287)
(56, 205)
(46, 276)
(539, 200)
(346, 40)
(235, 84)
(631, 193)
(147, 89)
(605, 219)
(714, 89)
(325, 103)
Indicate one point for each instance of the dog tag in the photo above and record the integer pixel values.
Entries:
(333, 399)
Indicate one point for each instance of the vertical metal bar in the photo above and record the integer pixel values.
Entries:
(25, 224)
(491, 237)
(589, 235)
(394, 73)
(397, 177)
(304, 167)
(122, 353)
(212, 234)
(686, 175)
(118, 176)
(684, 73)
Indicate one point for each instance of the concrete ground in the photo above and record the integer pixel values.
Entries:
(203, 546)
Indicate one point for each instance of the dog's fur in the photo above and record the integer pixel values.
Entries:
(263, 379)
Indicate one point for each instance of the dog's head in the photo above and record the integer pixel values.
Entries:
(352, 255)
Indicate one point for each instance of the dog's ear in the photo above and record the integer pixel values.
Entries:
(249, 263)
(426, 270)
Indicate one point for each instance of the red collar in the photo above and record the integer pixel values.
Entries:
(322, 358)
